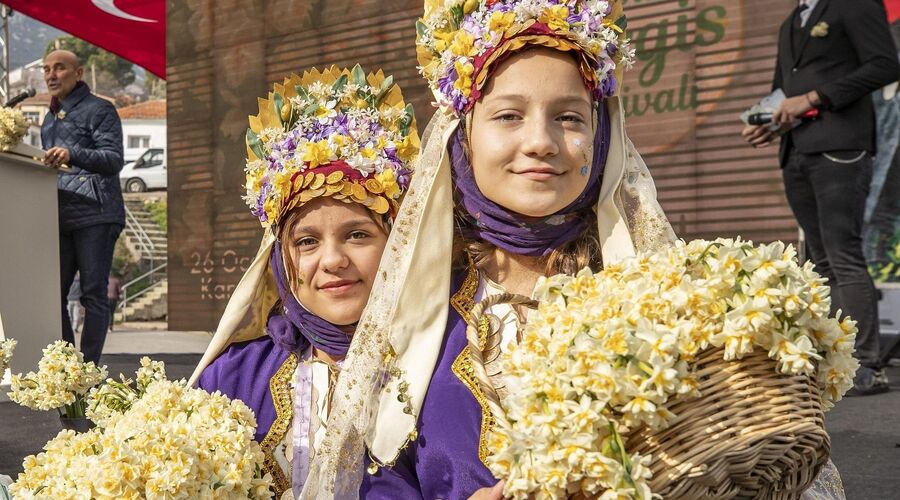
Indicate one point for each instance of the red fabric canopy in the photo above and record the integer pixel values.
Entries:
(132, 29)
(893, 9)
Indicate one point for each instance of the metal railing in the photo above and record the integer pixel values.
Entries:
(148, 250)
(140, 293)
(143, 239)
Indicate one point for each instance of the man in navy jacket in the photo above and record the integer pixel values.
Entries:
(832, 54)
(84, 132)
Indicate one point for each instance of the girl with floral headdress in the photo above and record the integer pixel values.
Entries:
(525, 171)
(329, 158)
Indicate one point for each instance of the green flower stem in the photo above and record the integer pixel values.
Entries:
(618, 448)
(76, 409)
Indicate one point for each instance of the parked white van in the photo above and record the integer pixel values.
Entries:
(145, 173)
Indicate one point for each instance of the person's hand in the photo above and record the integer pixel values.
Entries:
(759, 136)
(794, 107)
(56, 157)
(495, 493)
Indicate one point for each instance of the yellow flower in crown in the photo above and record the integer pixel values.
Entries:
(458, 41)
(501, 21)
(338, 133)
(556, 18)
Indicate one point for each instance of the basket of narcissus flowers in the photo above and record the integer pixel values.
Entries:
(700, 371)
(155, 438)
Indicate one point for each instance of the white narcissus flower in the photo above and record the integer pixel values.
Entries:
(795, 357)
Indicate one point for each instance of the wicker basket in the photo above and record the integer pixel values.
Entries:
(753, 433)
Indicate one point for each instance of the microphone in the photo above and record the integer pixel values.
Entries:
(29, 92)
(766, 118)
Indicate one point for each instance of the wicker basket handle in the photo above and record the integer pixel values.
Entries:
(473, 323)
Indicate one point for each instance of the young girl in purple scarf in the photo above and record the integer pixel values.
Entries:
(329, 158)
(524, 172)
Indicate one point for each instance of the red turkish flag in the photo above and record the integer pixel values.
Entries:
(132, 29)
(893, 9)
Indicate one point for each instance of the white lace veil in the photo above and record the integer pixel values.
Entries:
(389, 366)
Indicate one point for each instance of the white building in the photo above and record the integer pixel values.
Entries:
(143, 126)
(31, 75)
(34, 109)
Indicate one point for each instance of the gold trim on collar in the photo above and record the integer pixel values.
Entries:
(280, 387)
(463, 301)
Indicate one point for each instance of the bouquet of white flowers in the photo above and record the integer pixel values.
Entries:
(61, 382)
(6, 350)
(12, 128)
(172, 442)
(611, 353)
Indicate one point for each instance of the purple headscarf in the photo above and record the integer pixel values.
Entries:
(486, 220)
(294, 328)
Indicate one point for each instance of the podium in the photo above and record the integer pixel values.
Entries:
(30, 304)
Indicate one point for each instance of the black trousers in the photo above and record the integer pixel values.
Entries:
(90, 252)
(827, 193)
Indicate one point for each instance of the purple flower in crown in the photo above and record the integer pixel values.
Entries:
(581, 17)
(274, 163)
(446, 86)
(318, 131)
(340, 125)
(404, 175)
(259, 210)
(391, 154)
(473, 27)
(609, 85)
(612, 49)
(445, 83)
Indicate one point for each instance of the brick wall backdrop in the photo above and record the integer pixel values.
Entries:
(701, 63)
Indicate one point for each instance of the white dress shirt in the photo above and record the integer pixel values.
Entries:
(805, 13)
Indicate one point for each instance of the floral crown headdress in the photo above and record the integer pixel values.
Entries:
(458, 40)
(338, 133)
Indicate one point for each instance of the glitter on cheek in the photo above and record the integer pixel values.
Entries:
(584, 155)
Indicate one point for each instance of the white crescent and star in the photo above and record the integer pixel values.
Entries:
(110, 8)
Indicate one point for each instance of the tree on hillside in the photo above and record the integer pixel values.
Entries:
(111, 72)
(156, 86)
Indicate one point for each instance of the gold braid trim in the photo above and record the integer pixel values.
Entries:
(280, 387)
(463, 301)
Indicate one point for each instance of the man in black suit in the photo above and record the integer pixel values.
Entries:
(832, 54)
